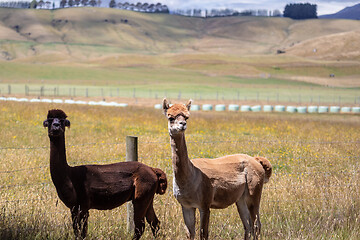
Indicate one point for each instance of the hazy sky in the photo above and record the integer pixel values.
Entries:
(324, 6)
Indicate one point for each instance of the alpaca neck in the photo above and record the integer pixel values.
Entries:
(182, 166)
(59, 167)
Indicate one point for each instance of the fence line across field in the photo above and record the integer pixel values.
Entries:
(122, 159)
(189, 142)
(130, 92)
(266, 201)
(71, 163)
(49, 183)
(103, 161)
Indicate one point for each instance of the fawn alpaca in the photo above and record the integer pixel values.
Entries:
(214, 183)
(101, 187)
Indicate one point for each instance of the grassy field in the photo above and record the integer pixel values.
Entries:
(150, 94)
(313, 193)
(200, 77)
(95, 53)
(230, 59)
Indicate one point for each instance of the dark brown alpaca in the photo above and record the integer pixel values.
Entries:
(101, 187)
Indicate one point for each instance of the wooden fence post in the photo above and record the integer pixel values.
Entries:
(131, 155)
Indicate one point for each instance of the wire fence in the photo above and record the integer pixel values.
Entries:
(189, 142)
(350, 171)
(307, 95)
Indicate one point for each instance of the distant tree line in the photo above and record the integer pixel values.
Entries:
(226, 12)
(300, 11)
(77, 3)
(21, 4)
(42, 4)
(294, 10)
(27, 4)
(140, 7)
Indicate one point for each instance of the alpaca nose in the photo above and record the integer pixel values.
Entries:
(183, 123)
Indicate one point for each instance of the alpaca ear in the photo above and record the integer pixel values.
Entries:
(165, 105)
(188, 104)
(67, 123)
(46, 123)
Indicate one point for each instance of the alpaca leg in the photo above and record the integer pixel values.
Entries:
(245, 217)
(139, 227)
(84, 223)
(152, 219)
(255, 217)
(204, 223)
(75, 220)
(189, 219)
(79, 219)
(139, 218)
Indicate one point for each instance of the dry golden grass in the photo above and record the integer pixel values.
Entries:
(82, 31)
(313, 193)
(340, 46)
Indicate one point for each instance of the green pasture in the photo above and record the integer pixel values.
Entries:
(147, 81)
(271, 94)
(312, 194)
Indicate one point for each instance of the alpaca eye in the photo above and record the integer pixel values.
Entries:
(171, 119)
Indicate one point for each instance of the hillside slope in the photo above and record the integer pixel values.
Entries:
(344, 46)
(79, 34)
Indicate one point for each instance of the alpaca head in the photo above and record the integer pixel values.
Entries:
(162, 181)
(177, 116)
(56, 122)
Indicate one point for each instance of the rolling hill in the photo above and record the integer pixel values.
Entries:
(79, 34)
(352, 12)
(99, 46)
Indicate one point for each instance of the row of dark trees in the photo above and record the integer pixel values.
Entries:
(73, 3)
(140, 7)
(27, 4)
(21, 4)
(300, 11)
(48, 4)
(294, 10)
